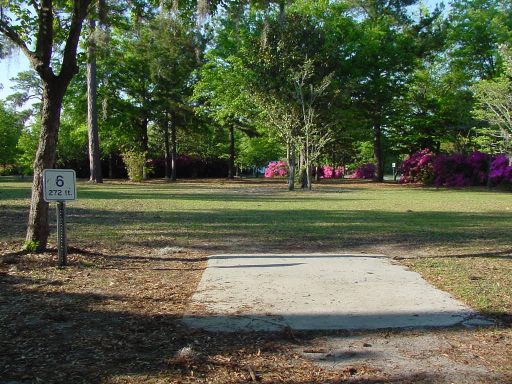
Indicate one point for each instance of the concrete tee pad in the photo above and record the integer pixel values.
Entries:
(267, 292)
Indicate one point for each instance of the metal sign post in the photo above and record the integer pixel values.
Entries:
(61, 233)
(59, 185)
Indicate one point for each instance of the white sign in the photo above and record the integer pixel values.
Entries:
(59, 185)
(393, 165)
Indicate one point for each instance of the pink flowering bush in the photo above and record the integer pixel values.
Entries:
(417, 168)
(455, 170)
(458, 170)
(276, 169)
(479, 163)
(451, 171)
(501, 171)
(327, 172)
(365, 171)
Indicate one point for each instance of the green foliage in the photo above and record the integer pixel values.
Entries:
(363, 155)
(10, 131)
(476, 29)
(31, 246)
(135, 163)
(409, 76)
(258, 151)
(494, 104)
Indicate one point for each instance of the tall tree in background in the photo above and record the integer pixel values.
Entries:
(50, 25)
(96, 175)
(494, 103)
(476, 29)
(385, 58)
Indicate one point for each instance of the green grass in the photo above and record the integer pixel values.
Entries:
(458, 231)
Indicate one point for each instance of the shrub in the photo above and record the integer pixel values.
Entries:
(328, 172)
(501, 171)
(457, 170)
(365, 171)
(30, 246)
(479, 164)
(276, 169)
(134, 162)
(451, 171)
(417, 168)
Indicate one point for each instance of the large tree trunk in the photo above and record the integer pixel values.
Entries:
(377, 151)
(92, 110)
(174, 127)
(231, 164)
(38, 227)
(167, 146)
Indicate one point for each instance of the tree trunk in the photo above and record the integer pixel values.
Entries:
(377, 151)
(110, 166)
(38, 227)
(167, 146)
(92, 110)
(144, 143)
(302, 169)
(317, 173)
(291, 167)
(231, 164)
(174, 127)
(309, 177)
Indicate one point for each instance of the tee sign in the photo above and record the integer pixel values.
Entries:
(59, 185)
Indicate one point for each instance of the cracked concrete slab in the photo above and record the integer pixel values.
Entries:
(269, 292)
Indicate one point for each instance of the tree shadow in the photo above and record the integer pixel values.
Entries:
(61, 337)
(309, 229)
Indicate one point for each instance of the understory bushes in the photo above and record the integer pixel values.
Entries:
(328, 172)
(276, 169)
(364, 171)
(456, 170)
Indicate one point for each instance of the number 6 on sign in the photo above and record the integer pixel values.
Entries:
(59, 185)
(59, 181)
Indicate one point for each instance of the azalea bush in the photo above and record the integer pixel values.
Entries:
(364, 171)
(501, 171)
(328, 172)
(276, 169)
(456, 170)
(417, 168)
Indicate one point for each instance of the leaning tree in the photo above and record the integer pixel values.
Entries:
(47, 32)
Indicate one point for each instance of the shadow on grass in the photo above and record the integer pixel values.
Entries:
(309, 230)
(64, 337)
(506, 254)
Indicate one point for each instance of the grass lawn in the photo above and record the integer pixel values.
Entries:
(138, 251)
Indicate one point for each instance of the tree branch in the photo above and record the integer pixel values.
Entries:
(69, 63)
(44, 40)
(13, 36)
